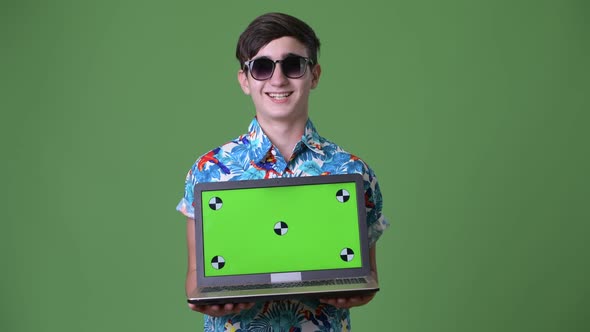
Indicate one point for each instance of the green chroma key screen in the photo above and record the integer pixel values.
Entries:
(280, 229)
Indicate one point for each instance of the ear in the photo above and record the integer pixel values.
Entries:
(243, 80)
(315, 75)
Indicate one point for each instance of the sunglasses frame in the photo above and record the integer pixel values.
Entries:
(248, 66)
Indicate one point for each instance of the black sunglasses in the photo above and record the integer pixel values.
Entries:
(293, 66)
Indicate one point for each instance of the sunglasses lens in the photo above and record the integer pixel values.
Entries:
(293, 66)
(262, 68)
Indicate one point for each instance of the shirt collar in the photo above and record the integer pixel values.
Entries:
(311, 138)
(260, 144)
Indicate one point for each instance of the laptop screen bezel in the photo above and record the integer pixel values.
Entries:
(364, 270)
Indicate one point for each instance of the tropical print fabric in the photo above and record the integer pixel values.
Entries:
(252, 156)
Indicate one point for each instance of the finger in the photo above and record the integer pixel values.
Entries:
(196, 307)
(328, 300)
(202, 308)
(244, 306)
(212, 310)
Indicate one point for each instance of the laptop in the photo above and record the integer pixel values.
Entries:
(281, 238)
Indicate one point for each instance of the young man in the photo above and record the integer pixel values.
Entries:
(279, 68)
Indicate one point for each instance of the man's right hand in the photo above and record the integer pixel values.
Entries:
(218, 310)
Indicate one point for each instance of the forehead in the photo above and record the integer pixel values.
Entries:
(281, 47)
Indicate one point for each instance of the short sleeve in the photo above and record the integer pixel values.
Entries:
(376, 221)
(185, 206)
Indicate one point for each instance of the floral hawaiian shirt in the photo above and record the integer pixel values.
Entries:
(252, 156)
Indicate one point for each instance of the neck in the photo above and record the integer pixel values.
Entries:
(284, 135)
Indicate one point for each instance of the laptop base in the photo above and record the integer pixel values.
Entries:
(276, 294)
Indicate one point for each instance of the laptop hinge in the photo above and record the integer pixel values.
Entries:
(285, 277)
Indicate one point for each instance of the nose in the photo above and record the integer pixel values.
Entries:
(278, 78)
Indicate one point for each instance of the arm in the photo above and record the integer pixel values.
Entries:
(191, 280)
(355, 301)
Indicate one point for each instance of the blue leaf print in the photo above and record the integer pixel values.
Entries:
(252, 174)
(311, 168)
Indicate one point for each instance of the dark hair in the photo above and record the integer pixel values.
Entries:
(271, 26)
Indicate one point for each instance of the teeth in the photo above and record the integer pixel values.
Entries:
(279, 95)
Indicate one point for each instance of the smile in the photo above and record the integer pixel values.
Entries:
(279, 95)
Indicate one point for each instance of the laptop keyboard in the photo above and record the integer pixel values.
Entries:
(348, 281)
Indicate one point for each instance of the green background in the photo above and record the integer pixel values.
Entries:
(319, 227)
(473, 114)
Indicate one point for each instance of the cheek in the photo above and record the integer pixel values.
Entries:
(256, 87)
(305, 88)
(257, 97)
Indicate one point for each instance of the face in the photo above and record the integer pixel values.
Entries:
(280, 98)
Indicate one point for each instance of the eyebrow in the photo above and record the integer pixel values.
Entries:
(284, 57)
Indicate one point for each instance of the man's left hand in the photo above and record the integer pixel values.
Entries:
(348, 302)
